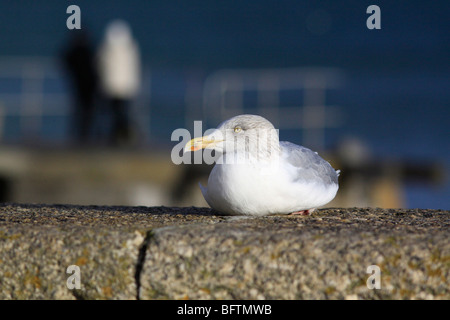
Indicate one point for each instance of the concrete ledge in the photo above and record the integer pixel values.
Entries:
(193, 253)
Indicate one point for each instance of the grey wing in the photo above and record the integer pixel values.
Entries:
(311, 167)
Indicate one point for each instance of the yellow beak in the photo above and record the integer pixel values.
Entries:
(200, 143)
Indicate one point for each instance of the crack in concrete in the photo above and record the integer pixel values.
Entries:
(77, 295)
(140, 261)
(142, 253)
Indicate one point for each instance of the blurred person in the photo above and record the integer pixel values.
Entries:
(119, 70)
(79, 61)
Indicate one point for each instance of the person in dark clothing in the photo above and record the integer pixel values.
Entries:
(79, 60)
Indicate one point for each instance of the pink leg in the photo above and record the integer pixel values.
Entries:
(302, 212)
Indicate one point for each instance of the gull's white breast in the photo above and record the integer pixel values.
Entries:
(252, 189)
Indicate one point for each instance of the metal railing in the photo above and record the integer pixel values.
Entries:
(224, 91)
(26, 99)
(23, 94)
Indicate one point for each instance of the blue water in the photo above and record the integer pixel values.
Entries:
(395, 96)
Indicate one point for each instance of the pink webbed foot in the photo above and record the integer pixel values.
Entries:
(302, 212)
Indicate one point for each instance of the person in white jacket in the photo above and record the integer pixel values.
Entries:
(119, 72)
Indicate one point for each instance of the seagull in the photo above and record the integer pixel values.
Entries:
(258, 175)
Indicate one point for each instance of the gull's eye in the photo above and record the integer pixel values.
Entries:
(237, 129)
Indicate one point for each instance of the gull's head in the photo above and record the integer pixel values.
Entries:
(243, 133)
